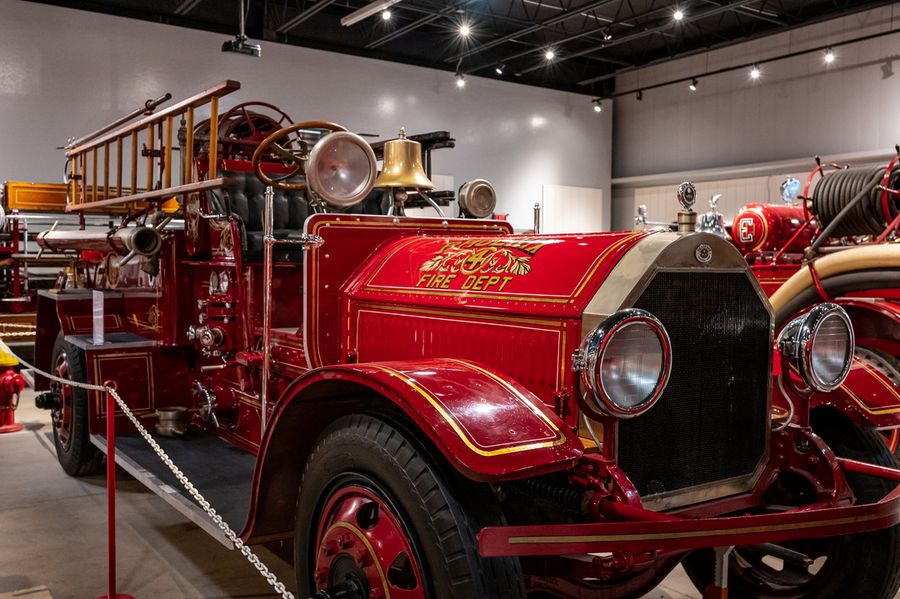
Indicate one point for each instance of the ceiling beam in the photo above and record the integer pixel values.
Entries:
(446, 11)
(186, 6)
(555, 20)
(305, 14)
(646, 32)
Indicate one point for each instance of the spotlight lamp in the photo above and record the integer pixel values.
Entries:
(460, 80)
(640, 95)
(694, 84)
(829, 56)
(754, 72)
(549, 54)
(385, 15)
(465, 30)
(598, 104)
(607, 36)
(678, 14)
(499, 68)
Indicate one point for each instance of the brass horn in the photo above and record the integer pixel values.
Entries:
(403, 165)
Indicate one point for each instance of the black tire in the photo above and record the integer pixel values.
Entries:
(434, 508)
(889, 366)
(860, 566)
(75, 452)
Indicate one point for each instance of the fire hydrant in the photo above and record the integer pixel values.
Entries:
(11, 385)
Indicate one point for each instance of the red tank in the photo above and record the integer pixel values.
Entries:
(763, 227)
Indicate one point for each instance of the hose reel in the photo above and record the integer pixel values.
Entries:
(836, 190)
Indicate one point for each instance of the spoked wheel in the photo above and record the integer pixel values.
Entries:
(74, 450)
(865, 565)
(375, 519)
(889, 366)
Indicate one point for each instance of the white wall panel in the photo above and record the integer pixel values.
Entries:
(800, 107)
(567, 209)
(65, 72)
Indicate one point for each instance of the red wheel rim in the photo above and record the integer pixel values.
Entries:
(62, 418)
(893, 439)
(360, 536)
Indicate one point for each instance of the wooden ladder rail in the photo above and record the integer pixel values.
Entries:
(85, 189)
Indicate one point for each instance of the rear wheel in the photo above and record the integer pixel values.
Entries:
(863, 566)
(74, 450)
(376, 519)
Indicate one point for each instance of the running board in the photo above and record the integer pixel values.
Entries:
(169, 494)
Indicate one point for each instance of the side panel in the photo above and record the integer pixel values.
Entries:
(484, 426)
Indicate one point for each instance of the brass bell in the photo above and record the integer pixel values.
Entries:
(403, 165)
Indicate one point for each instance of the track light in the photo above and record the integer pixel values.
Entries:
(640, 95)
(829, 56)
(499, 68)
(754, 72)
(607, 36)
(694, 84)
(598, 104)
(678, 14)
(460, 80)
(549, 54)
(465, 30)
(385, 15)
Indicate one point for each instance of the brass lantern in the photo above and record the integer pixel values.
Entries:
(403, 165)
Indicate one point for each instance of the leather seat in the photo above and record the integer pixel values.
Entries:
(245, 200)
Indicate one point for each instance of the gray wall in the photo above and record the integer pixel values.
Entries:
(65, 72)
(798, 108)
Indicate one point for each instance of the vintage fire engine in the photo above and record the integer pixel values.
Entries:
(437, 407)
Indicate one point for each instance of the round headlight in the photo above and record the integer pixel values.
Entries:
(224, 282)
(625, 364)
(819, 346)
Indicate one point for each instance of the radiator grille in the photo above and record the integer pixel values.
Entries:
(711, 423)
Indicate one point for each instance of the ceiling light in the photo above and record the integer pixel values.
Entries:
(367, 11)
(640, 95)
(598, 105)
(678, 14)
(694, 84)
(754, 72)
(465, 30)
(499, 69)
(549, 54)
(460, 81)
(385, 15)
(607, 36)
(829, 56)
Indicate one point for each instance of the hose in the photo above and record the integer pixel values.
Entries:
(848, 202)
(836, 286)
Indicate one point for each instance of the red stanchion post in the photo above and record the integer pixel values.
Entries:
(111, 495)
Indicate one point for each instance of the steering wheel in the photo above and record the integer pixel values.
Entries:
(293, 159)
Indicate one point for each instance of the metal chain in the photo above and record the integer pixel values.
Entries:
(187, 484)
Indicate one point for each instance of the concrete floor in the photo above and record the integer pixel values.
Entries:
(53, 535)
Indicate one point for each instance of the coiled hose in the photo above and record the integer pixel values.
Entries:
(835, 191)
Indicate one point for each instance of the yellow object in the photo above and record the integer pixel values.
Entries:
(403, 165)
(849, 260)
(170, 206)
(6, 358)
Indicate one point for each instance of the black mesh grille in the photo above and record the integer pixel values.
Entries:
(711, 422)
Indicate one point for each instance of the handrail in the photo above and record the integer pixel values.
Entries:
(155, 161)
(147, 107)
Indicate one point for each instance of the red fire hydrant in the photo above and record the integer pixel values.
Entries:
(11, 385)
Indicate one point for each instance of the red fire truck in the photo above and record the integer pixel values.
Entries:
(438, 407)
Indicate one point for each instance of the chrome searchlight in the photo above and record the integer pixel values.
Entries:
(624, 365)
(341, 169)
(819, 345)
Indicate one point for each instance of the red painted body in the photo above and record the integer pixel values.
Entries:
(770, 227)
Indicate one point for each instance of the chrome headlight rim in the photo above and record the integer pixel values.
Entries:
(593, 350)
(798, 337)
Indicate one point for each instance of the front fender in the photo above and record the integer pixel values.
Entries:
(486, 427)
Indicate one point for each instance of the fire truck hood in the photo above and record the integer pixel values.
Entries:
(554, 275)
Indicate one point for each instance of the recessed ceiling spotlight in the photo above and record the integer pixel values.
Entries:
(549, 54)
(465, 30)
(385, 15)
(460, 80)
(829, 56)
(754, 72)
(598, 105)
(694, 84)
(678, 14)
(499, 68)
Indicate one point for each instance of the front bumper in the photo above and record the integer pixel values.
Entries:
(688, 534)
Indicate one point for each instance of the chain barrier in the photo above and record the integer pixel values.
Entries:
(229, 533)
